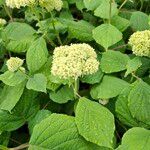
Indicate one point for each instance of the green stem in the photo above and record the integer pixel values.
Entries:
(56, 32)
(125, 1)
(76, 89)
(8, 13)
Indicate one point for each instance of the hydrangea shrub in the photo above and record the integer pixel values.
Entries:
(75, 74)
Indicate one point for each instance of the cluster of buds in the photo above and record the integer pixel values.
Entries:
(19, 3)
(2, 22)
(14, 64)
(74, 61)
(140, 42)
(51, 5)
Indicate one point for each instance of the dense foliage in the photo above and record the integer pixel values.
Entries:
(75, 74)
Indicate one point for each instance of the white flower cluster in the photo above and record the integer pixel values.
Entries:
(74, 61)
(15, 63)
(140, 42)
(2, 22)
(50, 5)
(19, 3)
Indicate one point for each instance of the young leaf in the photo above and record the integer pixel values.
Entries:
(133, 65)
(139, 102)
(135, 138)
(58, 132)
(103, 10)
(37, 83)
(95, 122)
(113, 61)
(10, 95)
(63, 95)
(19, 35)
(12, 78)
(37, 55)
(139, 21)
(109, 87)
(106, 35)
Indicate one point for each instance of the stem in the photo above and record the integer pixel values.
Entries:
(110, 9)
(8, 13)
(76, 89)
(133, 74)
(23, 146)
(56, 32)
(122, 4)
(141, 5)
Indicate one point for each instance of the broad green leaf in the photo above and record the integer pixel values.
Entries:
(139, 102)
(109, 87)
(37, 55)
(122, 110)
(95, 122)
(13, 78)
(106, 35)
(58, 132)
(37, 83)
(18, 36)
(139, 21)
(120, 23)
(92, 4)
(25, 109)
(133, 65)
(103, 10)
(81, 30)
(41, 115)
(135, 138)
(10, 95)
(113, 61)
(93, 78)
(62, 95)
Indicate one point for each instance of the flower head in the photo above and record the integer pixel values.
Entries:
(50, 5)
(74, 61)
(140, 42)
(2, 22)
(19, 3)
(14, 63)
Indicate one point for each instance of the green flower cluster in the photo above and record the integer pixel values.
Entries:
(51, 5)
(14, 64)
(74, 61)
(19, 3)
(140, 42)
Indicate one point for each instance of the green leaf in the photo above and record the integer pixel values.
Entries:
(122, 110)
(12, 78)
(133, 65)
(18, 36)
(120, 23)
(37, 83)
(4, 138)
(58, 132)
(41, 115)
(135, 138)
(103, 11)
(80, 30)
(25, 109)
(62, 95)
(37, 55)
(95, 123)
(139, 21)
(113, 61)
(93, 78)
(109, 87)
(139, 101)
(107, 35)
(10, 95)
(92, 4)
